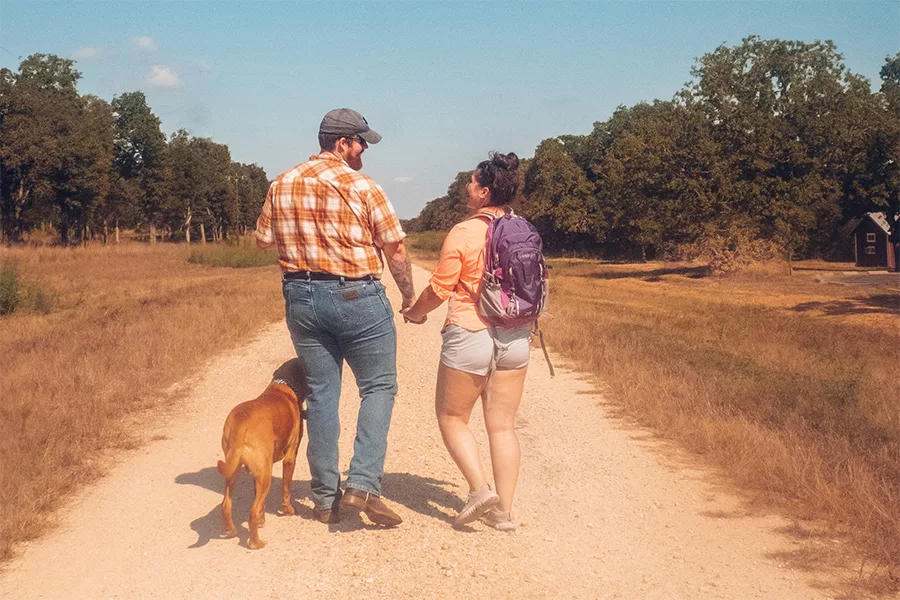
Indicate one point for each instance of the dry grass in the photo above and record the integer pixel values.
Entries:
(129, 322)
(425, 247)
(790, 386)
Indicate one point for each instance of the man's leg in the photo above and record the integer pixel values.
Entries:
(371, 353)
(321, 355)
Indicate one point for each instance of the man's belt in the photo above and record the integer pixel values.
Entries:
(318, 276)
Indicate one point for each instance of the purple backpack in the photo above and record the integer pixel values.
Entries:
(514, 284)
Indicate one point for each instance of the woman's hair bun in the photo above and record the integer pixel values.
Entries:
(509, 161)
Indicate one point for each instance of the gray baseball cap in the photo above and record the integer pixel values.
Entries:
(348, 122)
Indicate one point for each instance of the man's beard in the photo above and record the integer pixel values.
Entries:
(355, 163)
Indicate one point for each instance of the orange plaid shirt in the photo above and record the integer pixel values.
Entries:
(325, 217)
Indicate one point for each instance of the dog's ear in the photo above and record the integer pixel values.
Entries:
(298, 369)
(285, 371)
(294, 370)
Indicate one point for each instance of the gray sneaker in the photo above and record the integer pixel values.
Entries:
(477, 504)
(499, 520)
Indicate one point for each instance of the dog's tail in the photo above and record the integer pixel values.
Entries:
(233, 457)
(231, 464)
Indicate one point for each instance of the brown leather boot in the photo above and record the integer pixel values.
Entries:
(356, 501)
(326, 515)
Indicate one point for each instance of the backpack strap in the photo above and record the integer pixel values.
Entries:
(536, 329)
(490, 217)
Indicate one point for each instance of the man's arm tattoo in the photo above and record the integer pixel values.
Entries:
(401, 269)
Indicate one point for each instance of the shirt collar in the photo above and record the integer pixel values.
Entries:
(497, 211)
(328, 155)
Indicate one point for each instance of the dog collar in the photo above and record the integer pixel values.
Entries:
(285, 382)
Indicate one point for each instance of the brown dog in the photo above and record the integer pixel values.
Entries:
(259, 433)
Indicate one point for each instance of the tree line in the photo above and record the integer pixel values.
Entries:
(85, 167)
(772, 142)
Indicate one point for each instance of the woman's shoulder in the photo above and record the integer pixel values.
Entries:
(466, 234)
(478, 222)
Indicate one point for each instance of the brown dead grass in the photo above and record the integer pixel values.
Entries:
(131, 321)
(788, 385)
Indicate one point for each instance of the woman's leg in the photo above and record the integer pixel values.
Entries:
(456, 394)
(502, 402)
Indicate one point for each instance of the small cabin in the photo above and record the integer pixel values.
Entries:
(872, 242)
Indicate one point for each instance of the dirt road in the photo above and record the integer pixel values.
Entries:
(603, 512)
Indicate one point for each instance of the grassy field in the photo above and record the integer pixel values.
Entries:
(78, 373)
(788, 385)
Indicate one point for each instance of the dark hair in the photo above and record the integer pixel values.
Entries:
(500, 175)
(327, 141)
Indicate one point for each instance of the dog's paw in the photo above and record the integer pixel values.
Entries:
(256, 544)
(230, 533)
(287, 509)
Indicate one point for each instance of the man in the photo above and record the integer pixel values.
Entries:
(330, 225)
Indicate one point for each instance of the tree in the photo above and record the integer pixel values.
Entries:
(40, 108)
(663, 181)
(779, 111)
(443, 213)
(200, 193)
(884, 152)
(890, 83)
(252, 185)
(140, 158)
(185, 184)
(218, 195)
(557, 197)
(82, 179)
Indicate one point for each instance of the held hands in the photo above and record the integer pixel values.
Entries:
(407, 319)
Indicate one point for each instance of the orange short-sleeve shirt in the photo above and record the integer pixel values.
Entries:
(458, 273)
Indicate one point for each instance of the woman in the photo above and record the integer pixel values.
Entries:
(477, 360)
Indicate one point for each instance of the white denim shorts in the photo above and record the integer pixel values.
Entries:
(480, 352)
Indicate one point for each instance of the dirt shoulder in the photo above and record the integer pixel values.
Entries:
(603, 512)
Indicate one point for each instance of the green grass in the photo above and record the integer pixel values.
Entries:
(425, 247)
(426, 241)
(9, 288)
(236, 257)
(17, 295)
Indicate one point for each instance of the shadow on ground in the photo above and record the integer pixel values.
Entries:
(654, 275)
(209, 526)
(424, 495)
(877, 304)
(822, 550)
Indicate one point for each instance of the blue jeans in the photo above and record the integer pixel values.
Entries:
(333, 321)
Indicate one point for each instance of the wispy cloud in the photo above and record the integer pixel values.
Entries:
(85, 53)
(402, 179)
(145, 43)
(163, 77)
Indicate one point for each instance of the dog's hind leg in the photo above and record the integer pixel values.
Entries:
(287, 472)
(257, 511)
(227, 523)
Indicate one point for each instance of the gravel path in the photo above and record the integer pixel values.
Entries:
(604, 512)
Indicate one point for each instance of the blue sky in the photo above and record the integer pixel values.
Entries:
(443, 82)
